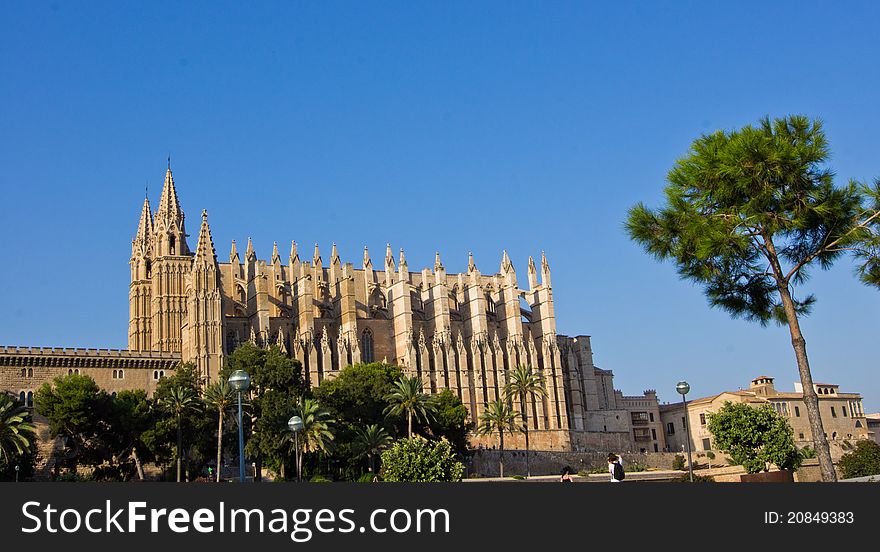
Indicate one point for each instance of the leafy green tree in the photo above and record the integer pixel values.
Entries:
(357, 394)
(754, 437)
(748, 212)
(131, 416)
(369, 441)
(407, 398)
(315, 434)
(17, 433)
(276, 384)
(524, 385)
(180, 401)
(221, 398)
(450, 420)
(77, 409)
(862, 461)
(499, 416)
(415, 459)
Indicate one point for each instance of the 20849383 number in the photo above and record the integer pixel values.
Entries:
(819, 517)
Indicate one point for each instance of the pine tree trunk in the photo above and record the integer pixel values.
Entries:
(137, 463)
(811, 399)
(219, 443)
(799, 344)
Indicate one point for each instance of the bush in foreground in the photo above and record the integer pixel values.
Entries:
(416, 459)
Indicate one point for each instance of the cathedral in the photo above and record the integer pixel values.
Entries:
(462, 331)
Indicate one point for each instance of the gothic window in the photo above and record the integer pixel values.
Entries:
(155, 374)
(70, 372)
(21, 397)
(453, 298)
(161, 374)
(23, 372)
(30, 372)
(149, 269)
(242, 297)
(490, 304)
(171, 245)
(76, 371)
(367, 346)
(115, 373)
(30, 399)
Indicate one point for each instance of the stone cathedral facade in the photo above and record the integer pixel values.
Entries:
(458, 331)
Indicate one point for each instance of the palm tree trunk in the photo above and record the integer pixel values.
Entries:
(501, 458)
(409, 423)
(219, 443)
(179, 445)
(526, 425)
(799, 344)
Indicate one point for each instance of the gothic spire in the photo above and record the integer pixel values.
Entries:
(533, 273)
(316, 257)
(334, 256)
(367, 261)
(169, 206)
(506, 265)
(471, 265)
(437, 264)
(250, 254)
(389, 258)
(205, 249)
(275, 256)
(145, 225)
(233, 254)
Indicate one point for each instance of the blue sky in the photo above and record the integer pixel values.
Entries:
(434, 126)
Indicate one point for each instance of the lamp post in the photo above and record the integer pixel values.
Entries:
(295, 425)
(684, 388)
(240, 381)
(17, 467)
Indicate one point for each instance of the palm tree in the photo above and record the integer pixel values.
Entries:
(370, 441)
(525, 384)
(499, 415)
(179, 401)
(408, 397)
(315, 434)
(221, 397)
(16, 432)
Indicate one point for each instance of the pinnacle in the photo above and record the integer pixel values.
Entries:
(205, 250)
(145, 225)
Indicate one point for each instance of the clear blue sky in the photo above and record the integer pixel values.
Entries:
(434, 126)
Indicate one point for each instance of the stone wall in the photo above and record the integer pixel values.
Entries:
(484, 463)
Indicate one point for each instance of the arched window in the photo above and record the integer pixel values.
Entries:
(453, 298)
(149, 269)
(490, 304)
(70, 372)
(155, 374)
(114, 374)
(242, 296)
(171, 245)
(21, 398)
(30, 372)
(23, 372)
(30, 399)
(113, 394)
(161, 374)
(76, 371)
(367, 346)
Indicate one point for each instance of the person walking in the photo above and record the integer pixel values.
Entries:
(615, 468)
(566, 476)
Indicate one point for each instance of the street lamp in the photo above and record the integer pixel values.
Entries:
(684, 388)
(17, 467)
(295, 425)
(240, 381)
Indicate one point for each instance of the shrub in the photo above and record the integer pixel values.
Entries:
(678, 462)
(864, 460)
(416, 459)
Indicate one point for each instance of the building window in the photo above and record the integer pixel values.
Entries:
(171, 245)
(653, 434)
(115, 374)
(22, 398)
(155, 374)
(858, 423)
(683, 424)
(30, 372)
(707, 445)
(30, 399)
(800, 436)
(843, 409)
(833, 412)
(367, 346)
(702, 419)
(833, 435)
(670, 428)
(651, 416)
(797, 412)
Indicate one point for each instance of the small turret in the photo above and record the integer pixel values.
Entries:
(533, 274)
(233, 255)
